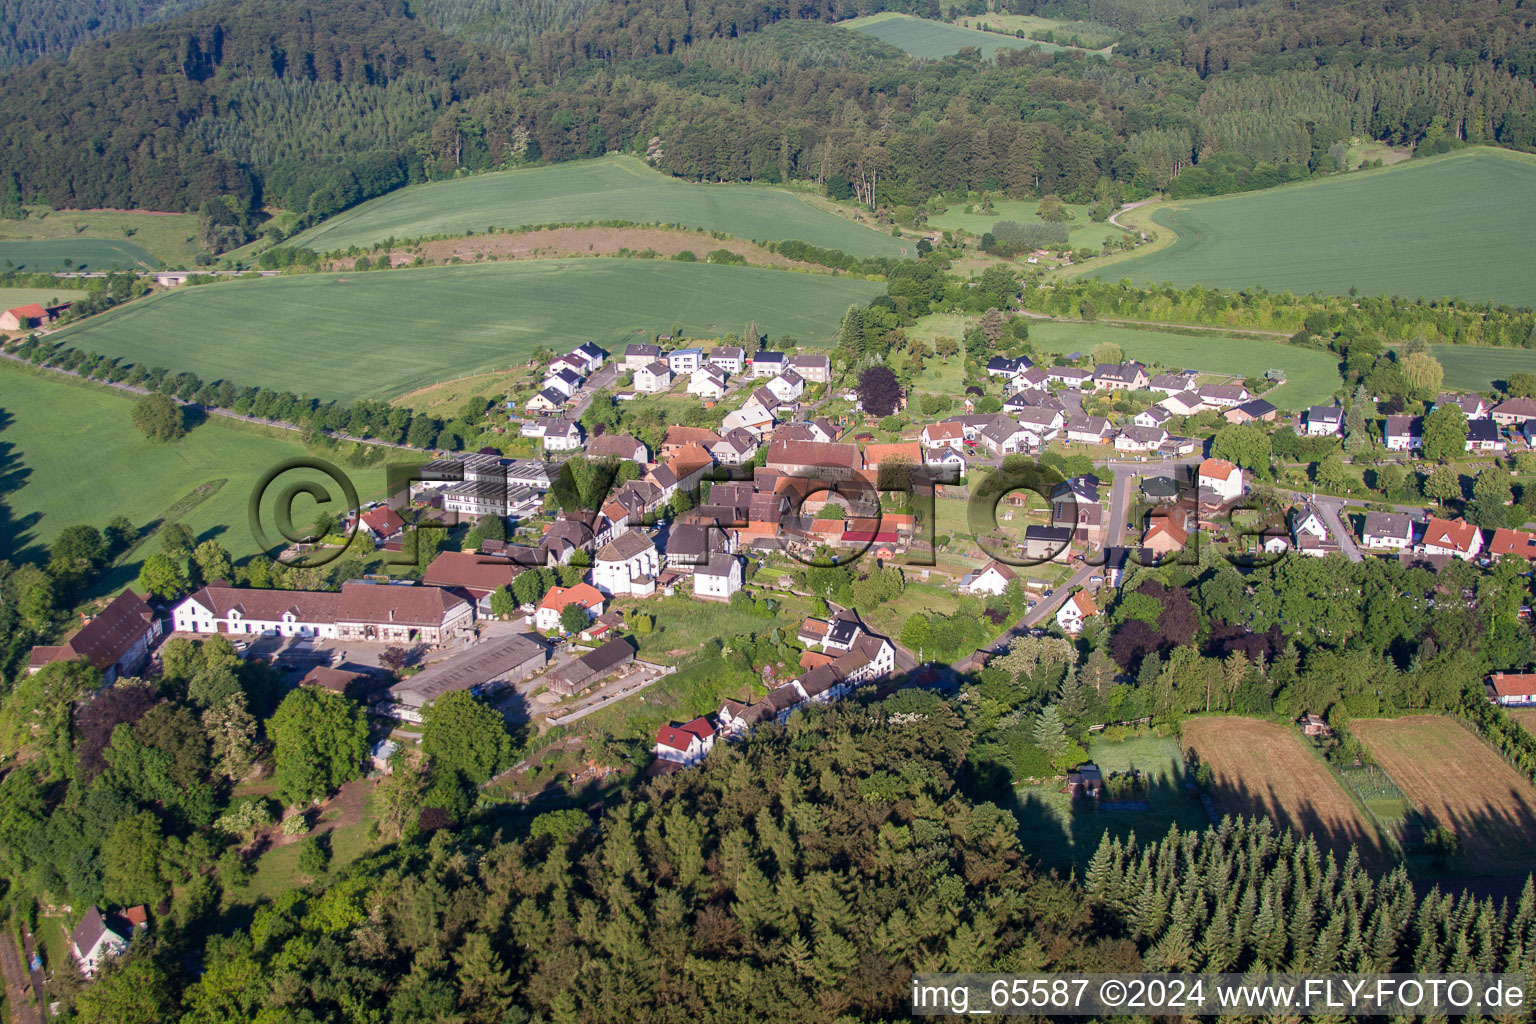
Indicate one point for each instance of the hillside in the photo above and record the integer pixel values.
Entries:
(1451, 226)
(613, 188)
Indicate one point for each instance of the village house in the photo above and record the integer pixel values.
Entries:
(753, 417)
(1512, 689)
(1403, 433)
(787, 387)
(473, 576)
(707, 382)
(1255, 410)
(1071, 376)
(1310, 534)
(1484, 436)
(945, 465)
(1076, 610)
(718, 578)
(1047, 543)
(627, 566)
(1152, 417)
(1473, 407)
(590, 355)
(944, 435)
(900, 453)
(1387, 531)
(686, 744)
(1516, 543)
(33, 314)
(1222, 396)
(1089, 430)
(1324, 421)
(1032, 379)
(638, 356)
(684, 360)
(677, 438)
(99, 937)
(1039, 423)
(767, 364)
(1451, 537)
(817, 461)
(736, 448)
(1120, 376)
(1006, 366)
(992, 578)
(1314, 725)
(546, 617)
(1167, 383)
(563, 381)
(116, 641)
(730, 358)
(1137, 438)
(1183, 403)
(814, 368)
(653, 378)
(1219, 482)
(1004, 436)
(562, 436)
(1167, 531)
(547, 400)
(374, 612)
(618, 446)
(1512, 412)
(382, 523)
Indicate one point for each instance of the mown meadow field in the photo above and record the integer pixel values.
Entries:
(921, 37)
(70, 454)
(611, 188)
(1311, 376)
(1450, 226)
(384, 333)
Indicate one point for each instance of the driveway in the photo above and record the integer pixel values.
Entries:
(1330, 509)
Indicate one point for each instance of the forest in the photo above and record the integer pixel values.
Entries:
(803, 874)
(313, 109)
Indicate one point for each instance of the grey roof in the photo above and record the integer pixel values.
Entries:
(1257, 408)
(1389, 524)
(657, 368)
(1482, 430)
(1144, 435)
(1404, 426)
(641, 350)
(1325, 414)
(479, 664)
(1088, 425)
(597, 662)
(1047, 534)
(624, 547)
(719, 564)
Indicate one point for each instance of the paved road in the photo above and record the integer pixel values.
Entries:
(1119, 504)
(1329, 509)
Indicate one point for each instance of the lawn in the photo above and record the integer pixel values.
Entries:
(1065, 834)
(1082, 232)
(1311, 376)
(1265, 769)
(56, 254)
(1447, 226)
(683, 624)
(923, 38)
(1476, 368)
(72, 455)
(611, 188)
(382, 334)
(1092, 36)
(10, 298)
(1453, 779)
(170, 238)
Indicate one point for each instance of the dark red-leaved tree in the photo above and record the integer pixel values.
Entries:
(879, 393)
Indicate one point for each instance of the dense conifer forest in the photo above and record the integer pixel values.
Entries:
(315, 107)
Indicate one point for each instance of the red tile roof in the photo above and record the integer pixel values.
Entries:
(1513, 684)
(583, 594)
(1457, 534)
(1218, 469)
(1512, 542)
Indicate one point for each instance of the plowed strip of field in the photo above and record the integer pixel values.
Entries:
(1265, 769)
(1455, 780)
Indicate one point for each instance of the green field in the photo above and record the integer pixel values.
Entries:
(612, 188)
(1311, 376)
(72, 455)
(1475, 368)
(1081, 231)
(381, 334)
(1066, 835)
(1453, 226)
(10, 298)
(170, 238)
(923, 38)
(54, 254)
